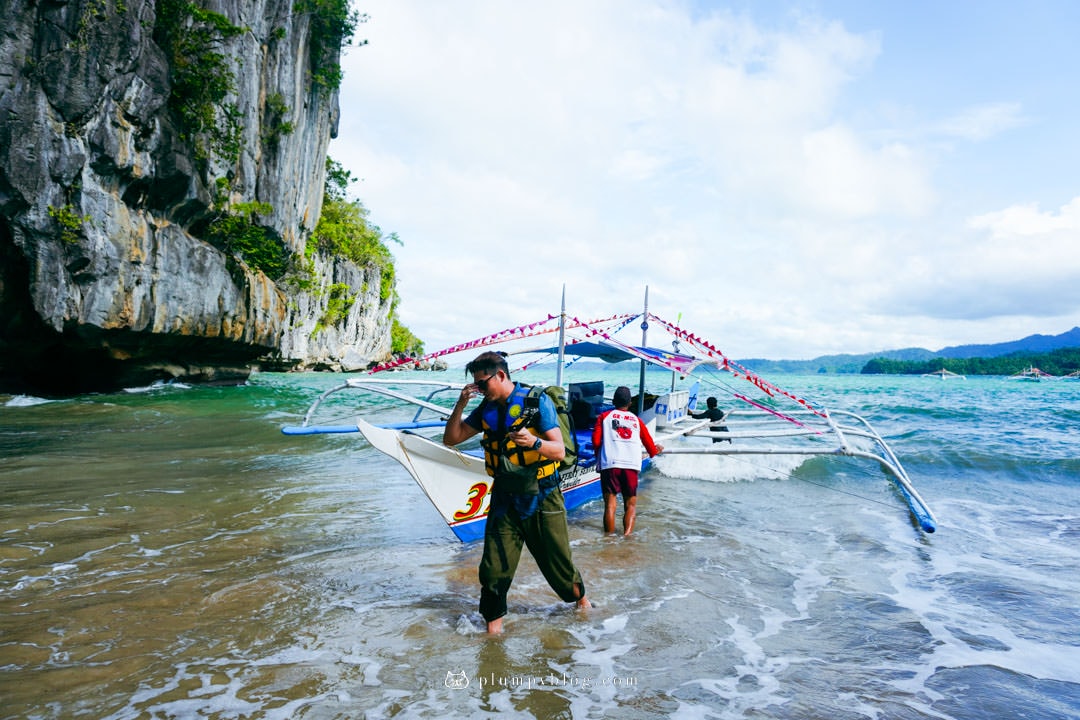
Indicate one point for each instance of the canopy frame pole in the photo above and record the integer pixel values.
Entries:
(644, 344)
(562, 339)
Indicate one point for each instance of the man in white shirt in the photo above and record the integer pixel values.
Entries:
(619, 436)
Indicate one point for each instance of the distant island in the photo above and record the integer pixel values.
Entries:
(1055, 354)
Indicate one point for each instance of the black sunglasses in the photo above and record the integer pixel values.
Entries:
(482, 384)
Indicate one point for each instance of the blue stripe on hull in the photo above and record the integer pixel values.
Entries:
(580, 494)
(470, 530)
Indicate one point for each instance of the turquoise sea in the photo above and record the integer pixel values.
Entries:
(168, 553)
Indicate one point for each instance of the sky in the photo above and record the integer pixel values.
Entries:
(788, 179)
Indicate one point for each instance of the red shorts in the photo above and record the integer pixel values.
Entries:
(615, 481)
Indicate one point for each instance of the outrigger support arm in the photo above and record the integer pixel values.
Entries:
(836, 429)
(859, 428)
(379, 388)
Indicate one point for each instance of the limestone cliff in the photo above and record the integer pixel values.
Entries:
(111, 187)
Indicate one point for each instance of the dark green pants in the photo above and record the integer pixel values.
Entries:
(546, 535)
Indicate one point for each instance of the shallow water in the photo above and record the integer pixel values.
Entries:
(169, 554)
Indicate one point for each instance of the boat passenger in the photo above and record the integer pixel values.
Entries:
(712, 413)
(619, 435)
(522, 451)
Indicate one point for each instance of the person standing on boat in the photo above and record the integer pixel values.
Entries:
(712, 413)
(522, 457)
(619, 435)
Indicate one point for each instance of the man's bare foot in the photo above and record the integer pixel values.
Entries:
(495, 627)
(583, 603)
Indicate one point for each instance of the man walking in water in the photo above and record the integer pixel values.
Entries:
(619, 435)
(522, 457)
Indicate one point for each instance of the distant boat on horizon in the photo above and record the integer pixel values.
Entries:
(1032, 374)
(945, 375)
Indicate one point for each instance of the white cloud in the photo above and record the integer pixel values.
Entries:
(1015, 223)
(983, 121)
(842, 175)
(1018, 262)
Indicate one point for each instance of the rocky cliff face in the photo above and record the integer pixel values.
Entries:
(108, 195)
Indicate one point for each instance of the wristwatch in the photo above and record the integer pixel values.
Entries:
(537, 444)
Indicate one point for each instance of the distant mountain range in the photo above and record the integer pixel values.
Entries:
(839, 364)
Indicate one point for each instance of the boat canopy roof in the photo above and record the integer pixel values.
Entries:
(615, 352)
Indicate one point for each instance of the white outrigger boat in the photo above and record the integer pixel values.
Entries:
(1032, 374)
(944, 374)
(454, 479)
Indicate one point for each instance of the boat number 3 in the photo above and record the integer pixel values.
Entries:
(477, 493)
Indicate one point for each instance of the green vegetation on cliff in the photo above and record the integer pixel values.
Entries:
(235, 230)
(196, 39)
(403, 342)
(332, 26)
(344, 230)
(70, 223)
(192, 38)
